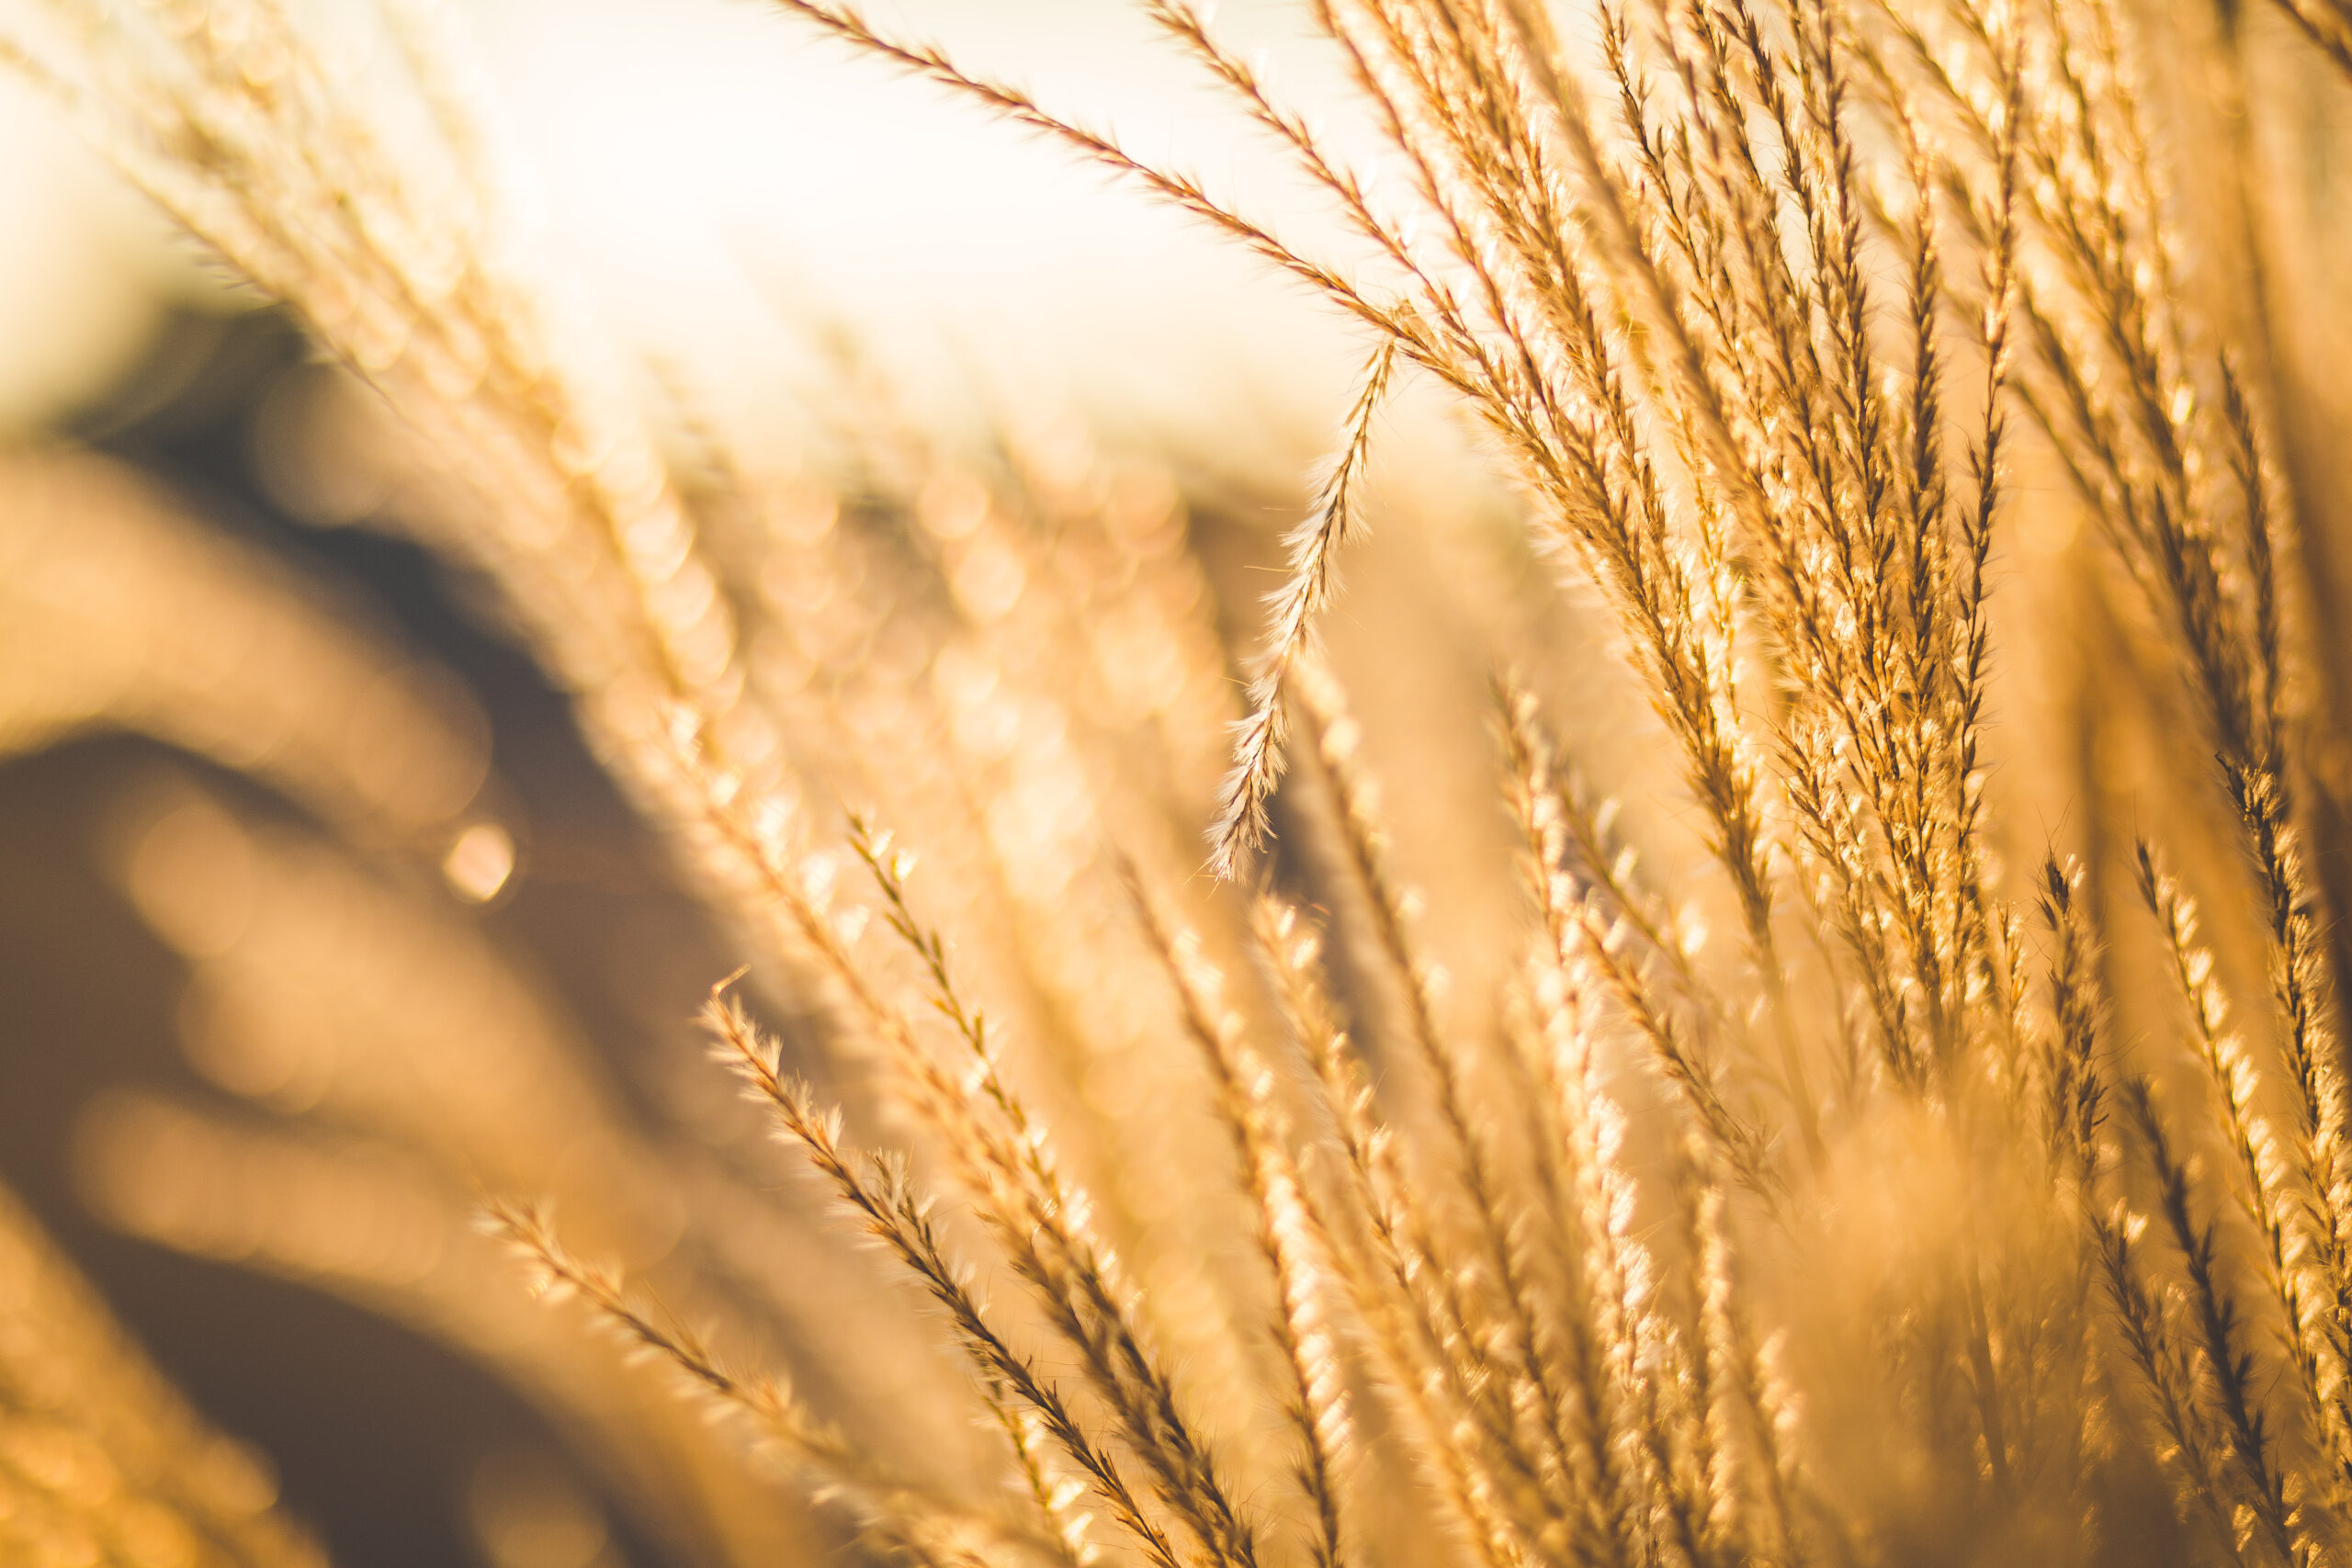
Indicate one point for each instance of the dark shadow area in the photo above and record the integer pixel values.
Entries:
(374, 1429)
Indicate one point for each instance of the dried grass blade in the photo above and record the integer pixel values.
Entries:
(893, 1510)
(1315, 544)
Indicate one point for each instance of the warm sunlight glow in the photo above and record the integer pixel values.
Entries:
(1073, 783)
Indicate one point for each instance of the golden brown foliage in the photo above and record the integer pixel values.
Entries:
(1889, 1230)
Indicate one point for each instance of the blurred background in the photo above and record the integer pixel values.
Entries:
(286, 813)
(750, 210)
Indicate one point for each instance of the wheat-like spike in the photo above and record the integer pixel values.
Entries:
(1056, 1502)
(1845, 306)
(2317, 1145)
(1973, 631)
(1049, 1242)
(1938, 883)
(1494, 123)
(1581, 933)
(1471, 1158)
(1718, 1355)
(2229, 1364)
(1787, 301)
(1405, 1296)
(1469, 171)
(2075, 1092)
(1757, 1483)
(1697, 1466)
(1006, 1171)
(2269, 1204)
(1678, 1502)
(1044, 1236)
(896, 1216)
(2073, 1074)
(2248, 466)
(1364, 842)
(849, 24)
(2164, 1369)
(2241, 683)
(1587, 1201)
(1321, 1408)
(1190, 29)
(1867, 702)
(1598, 473)
(980, 1156)
(920, 1249)
(1623, 246)
(1574, 462)
(1316, 1403)
(2157, 525)
(1832, 824)
(892, 1509)
(1609, 874)
(1468, 363)
(1938, 614)
(1042, 1184)
(1313, 546)
(1693, 279)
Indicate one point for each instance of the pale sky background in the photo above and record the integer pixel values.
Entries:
(712, 168)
